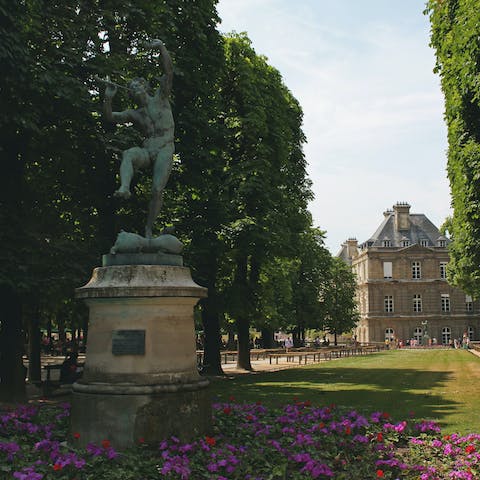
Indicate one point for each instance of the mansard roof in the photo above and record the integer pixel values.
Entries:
(420, 230)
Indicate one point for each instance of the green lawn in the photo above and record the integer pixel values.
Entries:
(442, 385)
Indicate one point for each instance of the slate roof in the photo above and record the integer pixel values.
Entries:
(343, 254)
(421, 228)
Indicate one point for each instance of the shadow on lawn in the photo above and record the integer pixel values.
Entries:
(401, 391)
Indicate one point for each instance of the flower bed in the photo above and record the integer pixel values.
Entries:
(249, 442)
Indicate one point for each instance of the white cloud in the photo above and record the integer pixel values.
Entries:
(373, 111)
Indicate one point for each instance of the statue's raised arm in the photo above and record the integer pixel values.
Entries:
(167, 64)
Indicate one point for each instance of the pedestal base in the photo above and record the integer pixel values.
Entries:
(126, 420)
(140, 378)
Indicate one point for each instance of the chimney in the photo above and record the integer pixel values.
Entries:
(402, 216)
(352, 247)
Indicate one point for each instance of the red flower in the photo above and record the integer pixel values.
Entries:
(258, 402)
(141, 440)
(76, 435)
(210, 440)
(249, 417)
(379, 437)
(231, 398)
(469, 449)
(227, 410)
(380, 474)
(106, 444)
(446, 437)
(57, 467)
(307, 403)
(385, 415)
(321, 425)
(348, 431)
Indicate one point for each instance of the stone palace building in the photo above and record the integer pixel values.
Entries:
(402, 290)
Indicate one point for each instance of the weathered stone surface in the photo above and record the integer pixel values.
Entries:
(124, 419)
(142, 259)
(123, 392)
(141, 281)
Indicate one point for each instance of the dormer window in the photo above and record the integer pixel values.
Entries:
(405, 242)
(441, 241)
(424, 242)
(386, 243)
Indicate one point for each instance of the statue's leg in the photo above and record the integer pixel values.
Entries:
(132, 160)
(161, 171)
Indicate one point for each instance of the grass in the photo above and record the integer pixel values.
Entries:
(440, 385)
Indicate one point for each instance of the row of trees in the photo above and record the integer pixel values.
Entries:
(237, 195)
(455, 36)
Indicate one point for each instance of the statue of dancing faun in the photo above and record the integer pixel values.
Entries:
(154, 119)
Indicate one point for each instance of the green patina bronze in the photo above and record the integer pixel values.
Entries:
(154, 120)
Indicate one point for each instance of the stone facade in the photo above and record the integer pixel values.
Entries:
(402, 291)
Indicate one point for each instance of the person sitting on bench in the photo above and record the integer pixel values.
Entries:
(69, 370)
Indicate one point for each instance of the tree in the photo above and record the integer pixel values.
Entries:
(340, 305)
(56, 213)
(266, 179)
(291, 288)
(455, 36)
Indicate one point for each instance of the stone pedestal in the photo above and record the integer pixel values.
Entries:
(140, 378)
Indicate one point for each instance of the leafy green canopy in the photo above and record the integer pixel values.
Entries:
(341, 314)
(267, 186)
(455, 35)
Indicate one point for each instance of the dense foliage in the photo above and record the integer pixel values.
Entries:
(341, 313)
(456, 39)
(237, 195)
(249, 442)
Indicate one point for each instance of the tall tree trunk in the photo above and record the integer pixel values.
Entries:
(243, 335)
(12, 370)
(267, 338)
(60, 320)
(34, 347)
(212, 364)
(295, 337)
(231, 344)
(243, 321)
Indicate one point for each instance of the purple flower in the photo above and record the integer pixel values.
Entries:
(10, 448)
(27, 474)
(427, 426)
(110, 453)
(94, 450)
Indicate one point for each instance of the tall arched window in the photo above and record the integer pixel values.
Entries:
(446, 335)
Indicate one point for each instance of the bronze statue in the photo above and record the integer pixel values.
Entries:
(153, 118)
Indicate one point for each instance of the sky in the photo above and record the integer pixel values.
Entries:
(362, 71)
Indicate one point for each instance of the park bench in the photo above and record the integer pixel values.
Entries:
(304, 356)
(49, 384)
